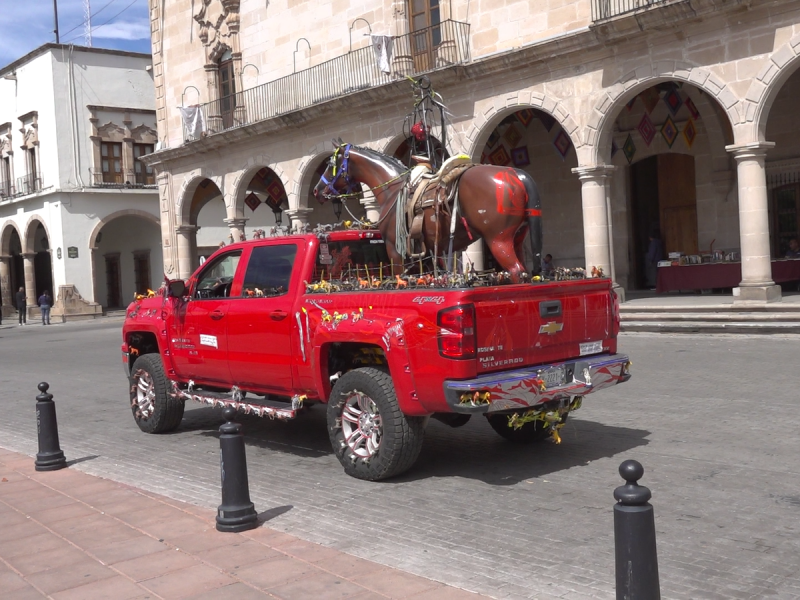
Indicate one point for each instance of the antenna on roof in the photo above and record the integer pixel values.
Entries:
(55, 19)
(87, 23)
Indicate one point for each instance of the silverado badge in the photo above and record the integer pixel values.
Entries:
(551, 327)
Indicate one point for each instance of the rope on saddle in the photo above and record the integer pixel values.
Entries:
(401, 226)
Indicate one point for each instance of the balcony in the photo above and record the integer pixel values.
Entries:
(29, 184)
(127, 180)
(7, 190)
(425, 50)
(606, 9)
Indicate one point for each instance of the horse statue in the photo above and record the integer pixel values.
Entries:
(498, 204)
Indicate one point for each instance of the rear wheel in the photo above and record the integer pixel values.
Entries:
(529, 433)
(370, 435)
(153, 407)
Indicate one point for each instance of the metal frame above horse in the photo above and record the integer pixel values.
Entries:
(498, 204)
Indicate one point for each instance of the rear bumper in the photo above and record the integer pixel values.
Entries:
(523, 388)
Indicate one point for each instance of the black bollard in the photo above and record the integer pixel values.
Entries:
(236, 513)
(635, 538)
(50, 457)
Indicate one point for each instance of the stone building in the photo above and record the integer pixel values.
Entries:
(78, 208)
(631, 115)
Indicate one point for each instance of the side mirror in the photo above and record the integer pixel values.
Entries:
(176, 288)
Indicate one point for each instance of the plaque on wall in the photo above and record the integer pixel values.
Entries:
(72, 252)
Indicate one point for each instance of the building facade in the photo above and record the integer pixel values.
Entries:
(632, 116)
(79, 211)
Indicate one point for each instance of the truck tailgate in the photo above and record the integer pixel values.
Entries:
(526, 325)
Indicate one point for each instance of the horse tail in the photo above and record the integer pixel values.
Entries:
(534, 213)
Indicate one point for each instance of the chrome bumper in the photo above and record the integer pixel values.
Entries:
(523, 388)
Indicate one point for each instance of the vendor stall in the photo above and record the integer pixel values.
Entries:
(718, 275)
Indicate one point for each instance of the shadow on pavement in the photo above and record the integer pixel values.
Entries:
(474, 451)
(75, 461)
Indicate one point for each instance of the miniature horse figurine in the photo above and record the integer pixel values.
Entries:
(498, 204)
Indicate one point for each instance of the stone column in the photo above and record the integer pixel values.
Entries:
(595, 200)
(372, 209)
(757, 284)
(299, 217)
(187, 250)
(237, 228)
(5, 281)
(30, 278)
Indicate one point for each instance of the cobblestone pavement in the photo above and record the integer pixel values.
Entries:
(710, 418)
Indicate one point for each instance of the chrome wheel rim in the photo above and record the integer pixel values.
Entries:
(145, 394)
(362, 425)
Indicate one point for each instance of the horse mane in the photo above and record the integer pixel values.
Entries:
(388, 161)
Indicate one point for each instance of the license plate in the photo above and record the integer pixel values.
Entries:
(591, 348)
(553, 377)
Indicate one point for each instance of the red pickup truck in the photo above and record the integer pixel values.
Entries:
(249, 330)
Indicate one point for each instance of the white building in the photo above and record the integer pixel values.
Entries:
(79, 211)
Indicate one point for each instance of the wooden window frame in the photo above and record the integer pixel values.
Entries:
(111, 175)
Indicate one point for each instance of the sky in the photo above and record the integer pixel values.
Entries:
(27, 24)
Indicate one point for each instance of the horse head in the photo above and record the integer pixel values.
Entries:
(336, 179)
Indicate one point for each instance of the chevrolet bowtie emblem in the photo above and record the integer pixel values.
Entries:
(551, 327)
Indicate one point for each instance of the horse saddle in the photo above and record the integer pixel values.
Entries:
(423, 191)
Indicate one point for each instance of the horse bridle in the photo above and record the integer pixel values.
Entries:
(338, 173)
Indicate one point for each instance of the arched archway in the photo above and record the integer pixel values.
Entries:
(126, 257)
(37, 250)
(12, 275)
(202, 229)
(673, 178)
(325, 212)
(264, 200)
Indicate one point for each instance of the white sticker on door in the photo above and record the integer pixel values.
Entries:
(208, 340)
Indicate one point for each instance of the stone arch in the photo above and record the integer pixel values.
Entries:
(305, 172)
(30, 233)
(484, 123)
(130, 212)
(245, 175)
(764, 88)
(5, 237)
(190, 184)
(596, 147)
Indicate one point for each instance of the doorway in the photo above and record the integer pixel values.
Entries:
(113, 286)
(663, 200)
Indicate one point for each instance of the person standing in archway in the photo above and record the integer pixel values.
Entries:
(45, 302)
(22, 306)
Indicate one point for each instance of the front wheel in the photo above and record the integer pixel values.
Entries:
(370, 435)
(152, 404)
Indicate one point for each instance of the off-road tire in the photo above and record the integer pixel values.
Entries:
(401, 438)
(529, 433)
(166, 412)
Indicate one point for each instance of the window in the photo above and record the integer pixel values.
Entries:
(33, 176)
(144, 174)
(227, 90)
(269, 271)
(426, 34)
(5, 177)
(349, 258)
(216, 279)
(111, 161)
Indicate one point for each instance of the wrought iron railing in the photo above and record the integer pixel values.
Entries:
(7, 190)
(129, 179)
(29, 184)
(415, 53)
(605, 9)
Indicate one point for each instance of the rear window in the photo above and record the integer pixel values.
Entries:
(341, 259)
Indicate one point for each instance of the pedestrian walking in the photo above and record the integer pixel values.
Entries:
(45, 302)
(22, 307)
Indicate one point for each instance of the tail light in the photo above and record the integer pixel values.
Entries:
(457, 332)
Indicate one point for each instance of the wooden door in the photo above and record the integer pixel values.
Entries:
(426, 35)
(113, 281)
(141, 268)
(227, 92)
(677, 200)
(785, 218)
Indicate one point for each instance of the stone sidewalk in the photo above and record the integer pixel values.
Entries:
(68, 535)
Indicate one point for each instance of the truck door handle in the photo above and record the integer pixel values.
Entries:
(278, 315)
(217, 314)
(551, 308)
